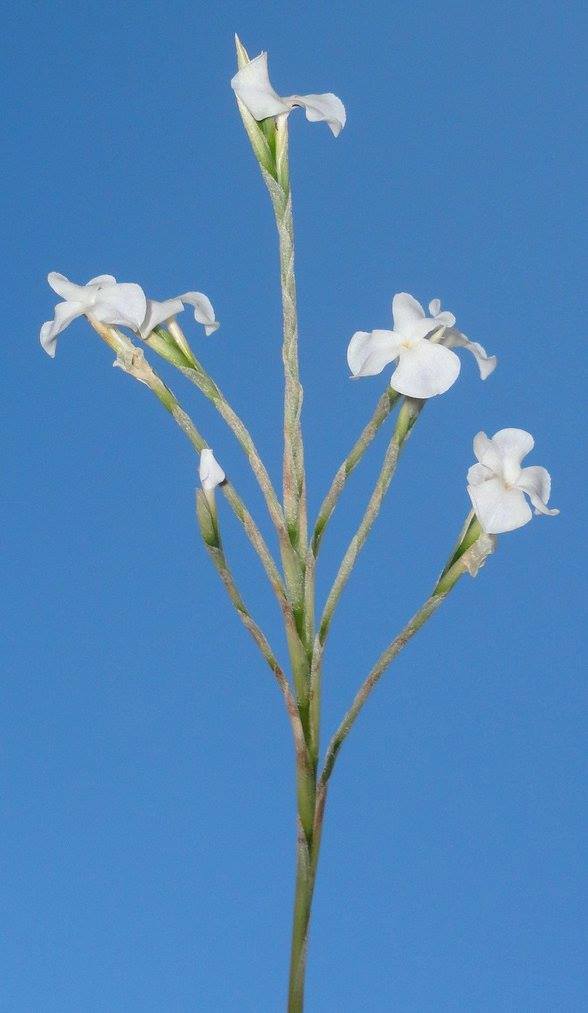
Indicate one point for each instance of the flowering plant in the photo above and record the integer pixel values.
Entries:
(426, 365)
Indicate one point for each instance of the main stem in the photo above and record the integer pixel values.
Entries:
(307, 855)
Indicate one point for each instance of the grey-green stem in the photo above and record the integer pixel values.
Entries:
(469, 556)
(407, 417)
(132, 360)
(209, 529)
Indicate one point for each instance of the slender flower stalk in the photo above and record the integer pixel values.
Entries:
(382, 410)
(195, 372)
(407, 417)
(469, 561)
(197, 375)
(269, 140)
(209, 529)
(132, 360)
(172, 344)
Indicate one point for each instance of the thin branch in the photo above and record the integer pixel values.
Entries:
(211, 537)
(385, 659)
(132, 360)
(471, 554)
(382, 411)
(405, 422)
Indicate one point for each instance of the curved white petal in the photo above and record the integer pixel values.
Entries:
(420, 329)
(328, 108)
(252, 86)
(444, 318)
(158, 312)
(497, 508)
(203, 310)
(435, 307)
(513, 444)
(424, 370)
(487, 453)
(210, 472)
(69, 291)
(369, 351)
(479, 473)
(406, 310)
(121, 304)
(536, 482)
(65, 312)
(101, 280)
(486, 363)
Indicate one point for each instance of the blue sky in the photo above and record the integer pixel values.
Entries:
(148, 823)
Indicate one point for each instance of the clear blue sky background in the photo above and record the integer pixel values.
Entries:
(148, 824)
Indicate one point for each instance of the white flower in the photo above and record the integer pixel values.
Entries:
(426, 364)
(210, 472)
(497, 485)
(102, 298)
(252, 86)
(158, 312)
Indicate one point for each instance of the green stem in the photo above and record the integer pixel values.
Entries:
(407, 417)
(382, 411)
(294, 610)
(131, 359)
(307, 855)
(209, 529)
(469, 561)
(294, 476)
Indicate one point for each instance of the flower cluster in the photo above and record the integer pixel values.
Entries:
(421, 345)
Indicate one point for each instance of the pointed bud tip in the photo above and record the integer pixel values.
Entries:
(242, 54)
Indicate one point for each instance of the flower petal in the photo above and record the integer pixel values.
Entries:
(406, 310)
(252, 86)
(327, 107)
(536, 482)
(69, 291)
(444, 318)
(435, 307)
(121, 304)
(369, 351)
(420, 329)
(455, 339)
(479, 473)
(210, 472)
(65, 312)
(101, 280)
(497, 508)
(487, 453)
(424, 370)
(157, 313)
(203, 310)
(513, 444)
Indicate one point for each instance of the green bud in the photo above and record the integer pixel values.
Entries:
(161, 341)
(263, 134)
(207, 520)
